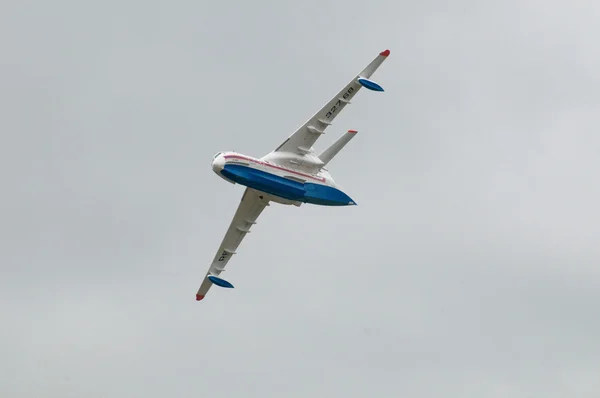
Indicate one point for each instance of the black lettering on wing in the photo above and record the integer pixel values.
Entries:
(223, 255)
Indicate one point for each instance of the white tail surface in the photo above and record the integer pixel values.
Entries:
(337, 146)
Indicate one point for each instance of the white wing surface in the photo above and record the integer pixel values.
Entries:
(301, 141)
(250, 207)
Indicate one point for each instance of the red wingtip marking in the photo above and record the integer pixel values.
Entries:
(199, 297)
(385, 53)
(352, 131)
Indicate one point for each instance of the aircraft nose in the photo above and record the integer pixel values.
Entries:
(218, 164)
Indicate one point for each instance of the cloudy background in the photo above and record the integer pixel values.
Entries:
(470, 268)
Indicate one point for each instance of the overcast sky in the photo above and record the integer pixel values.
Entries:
(469, 268)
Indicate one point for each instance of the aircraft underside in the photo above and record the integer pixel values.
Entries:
(286, 188)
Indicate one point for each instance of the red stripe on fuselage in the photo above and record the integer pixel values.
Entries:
(274, 166)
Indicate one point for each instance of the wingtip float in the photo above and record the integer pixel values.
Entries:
(220, 282)
(369, 84)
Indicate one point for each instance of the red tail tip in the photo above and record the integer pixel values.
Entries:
(352, 131)
(385, 53)
(199, 297)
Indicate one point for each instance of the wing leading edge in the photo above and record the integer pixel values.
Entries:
(250, 207)
(301, 141)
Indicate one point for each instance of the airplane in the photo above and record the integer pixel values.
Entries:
(291, 174)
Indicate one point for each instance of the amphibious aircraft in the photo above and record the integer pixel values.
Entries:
(291, 174)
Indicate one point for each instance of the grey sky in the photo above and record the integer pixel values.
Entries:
(470, 267)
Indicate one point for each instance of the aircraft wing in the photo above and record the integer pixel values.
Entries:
(304, 138)
(250, 207)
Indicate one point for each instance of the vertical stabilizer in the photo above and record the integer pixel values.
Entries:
(337, 146)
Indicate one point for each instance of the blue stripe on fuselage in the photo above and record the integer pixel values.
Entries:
(325, 195)
(264, 181)
(286, 188)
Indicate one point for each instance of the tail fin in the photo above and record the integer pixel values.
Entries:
(337, 146)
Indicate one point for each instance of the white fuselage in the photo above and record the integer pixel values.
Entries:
(306, 182)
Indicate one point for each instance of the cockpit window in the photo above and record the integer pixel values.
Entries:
(217, 155)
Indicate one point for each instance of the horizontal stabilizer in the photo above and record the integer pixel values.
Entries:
(337, 146)
(219, 281)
